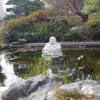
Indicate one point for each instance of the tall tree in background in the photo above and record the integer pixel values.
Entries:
(23, 7)
(58, 7)
(81, 8)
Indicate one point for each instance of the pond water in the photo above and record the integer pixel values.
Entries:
(30, 63)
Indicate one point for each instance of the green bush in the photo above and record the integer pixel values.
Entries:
(60, 26)
(91, 31)
(76, 35)
(93, 28)
(40, 32)
(25, 20)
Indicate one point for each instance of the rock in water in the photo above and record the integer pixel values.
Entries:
(24, 88)
(52, 49)
(43, 88)
(86, 88)
(40, 94)
(2, 89)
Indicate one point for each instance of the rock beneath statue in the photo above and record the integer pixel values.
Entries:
(52, 49)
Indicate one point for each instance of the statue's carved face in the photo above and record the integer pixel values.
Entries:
(52, 40)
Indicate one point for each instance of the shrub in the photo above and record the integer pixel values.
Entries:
(62, 95)
(77, 35)
(74, 35)
(15, 35)
(16, 23)
(29, 36)
(95, 15)
(41, 27)
(91, 31)
(40, 32)
(60, 26)
(32, 33)
(2, 35)
(93, 28)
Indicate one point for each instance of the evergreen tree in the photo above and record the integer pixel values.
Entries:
(23, 7)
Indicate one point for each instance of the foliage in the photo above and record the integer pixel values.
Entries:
(40, 31)
(61, 95)
(95, 15)
(2, 37)
(60, 27)
(23, 7)
(35, 26)
(95, 22)
(16, 23)
(64, 6)
(36, 68)
(28, 36)
(91, 31)
(86, 34)
(81, 8)
(57, 7)
(9, 16)
(93, 26)
(91, 6)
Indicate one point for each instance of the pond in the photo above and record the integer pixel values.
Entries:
(28, 64)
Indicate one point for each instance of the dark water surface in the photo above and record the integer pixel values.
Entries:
(31, 63)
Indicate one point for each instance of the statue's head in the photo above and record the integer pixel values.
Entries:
(52, 40)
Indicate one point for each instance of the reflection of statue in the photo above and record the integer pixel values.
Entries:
(52, 49)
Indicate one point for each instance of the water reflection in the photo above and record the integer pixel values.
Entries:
(30, 63)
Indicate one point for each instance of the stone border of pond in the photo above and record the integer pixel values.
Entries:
(24, 47)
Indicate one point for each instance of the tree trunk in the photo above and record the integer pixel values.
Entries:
(83, 16)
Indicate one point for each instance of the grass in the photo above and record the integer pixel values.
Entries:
(40, 66)
(61, 95)
(36, 68)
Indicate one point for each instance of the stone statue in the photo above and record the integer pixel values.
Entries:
(52, 49)
(52, 53)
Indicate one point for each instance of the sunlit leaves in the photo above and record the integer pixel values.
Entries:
(90, 6)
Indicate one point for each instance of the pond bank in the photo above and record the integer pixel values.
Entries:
(24, 47)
